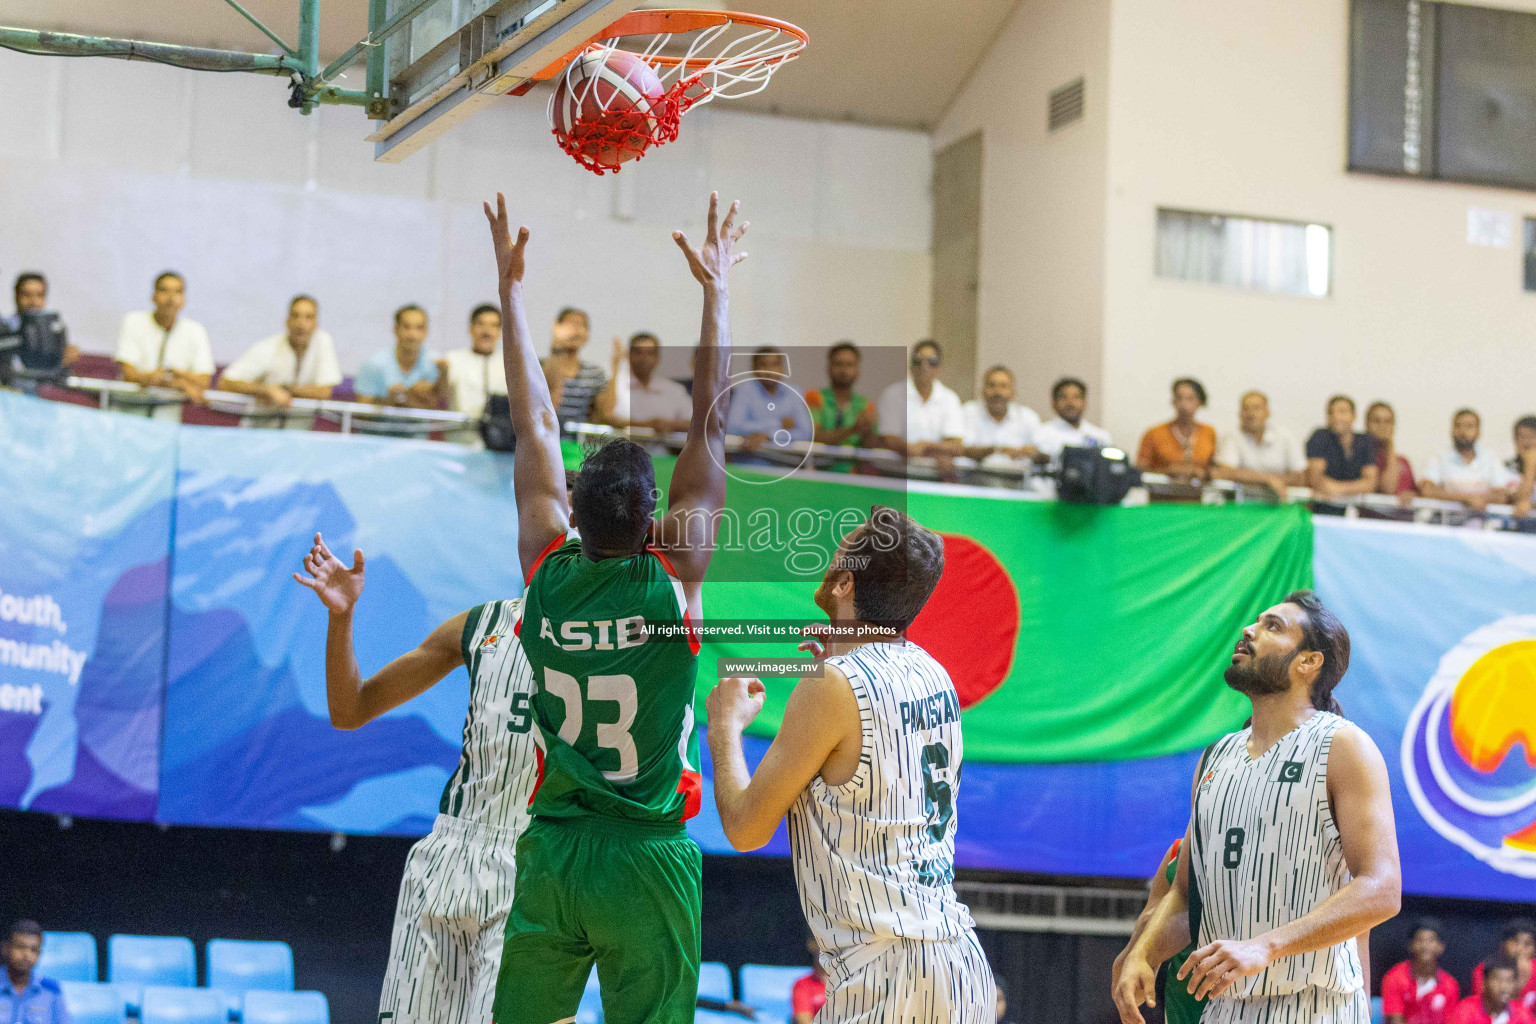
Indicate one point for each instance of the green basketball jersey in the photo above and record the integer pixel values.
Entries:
(614, 660)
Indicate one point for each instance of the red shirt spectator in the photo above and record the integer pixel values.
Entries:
(1414, 1002)
(1396, 474)
(1472, 1011)
(1526, 997)
(807, 997)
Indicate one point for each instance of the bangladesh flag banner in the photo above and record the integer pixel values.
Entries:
(1073, 633)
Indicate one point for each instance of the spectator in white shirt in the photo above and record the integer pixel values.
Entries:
(997, 431)
(1466, 473)
(934, 421)
(298, 362)
(468, 377)
(164, 348)
(1069, 399)
(1259, 453)
(640, 396)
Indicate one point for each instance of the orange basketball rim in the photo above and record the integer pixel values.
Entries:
(697, 56)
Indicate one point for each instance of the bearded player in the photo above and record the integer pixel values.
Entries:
(606, 872)
(457, 889)
(1291, 853)
(867, 764)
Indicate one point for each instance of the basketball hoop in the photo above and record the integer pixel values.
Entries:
(616, 100)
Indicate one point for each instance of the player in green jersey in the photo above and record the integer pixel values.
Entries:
(606, 873)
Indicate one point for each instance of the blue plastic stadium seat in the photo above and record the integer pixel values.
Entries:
(173, 1004)
(591, 1009)
(265, 1007)
(715, 981)
(237, 967)
(767, 989)
(1377, 1016)
(152, 960)
(68, 956)
(91, 1002)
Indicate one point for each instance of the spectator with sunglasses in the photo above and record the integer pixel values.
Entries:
(933, 417)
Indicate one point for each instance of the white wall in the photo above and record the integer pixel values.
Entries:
(1242, 108)
(112, 171)
(1234, 108)
(1042, 211)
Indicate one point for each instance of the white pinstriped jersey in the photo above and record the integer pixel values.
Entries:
(497, 768)
(1267, 851)
(875, 858)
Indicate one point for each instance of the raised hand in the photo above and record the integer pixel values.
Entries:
(337, 586)
(509, 254)
(734, 702)
(711, 263)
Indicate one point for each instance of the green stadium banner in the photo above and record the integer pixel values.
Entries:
(1072, 632)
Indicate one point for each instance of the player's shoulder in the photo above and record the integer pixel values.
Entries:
(49, 985)
(1350, 740)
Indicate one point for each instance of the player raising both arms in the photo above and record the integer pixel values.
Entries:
(867, 766)
(1290, 854)
(606, 872)
(457, 889)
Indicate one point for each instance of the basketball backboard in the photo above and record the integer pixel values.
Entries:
(450, 58)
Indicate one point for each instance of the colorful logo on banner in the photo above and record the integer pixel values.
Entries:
(1469, 751)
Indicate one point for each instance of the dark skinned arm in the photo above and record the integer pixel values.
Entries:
(538, 470)
(697, 491)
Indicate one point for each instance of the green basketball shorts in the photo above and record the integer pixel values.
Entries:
(623, 895)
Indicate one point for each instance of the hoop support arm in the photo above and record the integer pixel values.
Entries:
(194, 58)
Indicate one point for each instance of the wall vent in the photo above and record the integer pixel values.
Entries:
(1065, 105)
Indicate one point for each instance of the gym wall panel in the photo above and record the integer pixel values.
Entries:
(115, 171)
(235, 136)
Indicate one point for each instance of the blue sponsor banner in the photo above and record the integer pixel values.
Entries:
(85, 523)
(1443, 678)
(248, 740)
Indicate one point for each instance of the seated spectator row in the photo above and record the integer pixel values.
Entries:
(1503, 988)
(1338, 461)
(919, 416)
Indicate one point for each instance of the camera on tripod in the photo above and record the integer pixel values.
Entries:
(1095, 476)
(32, 350)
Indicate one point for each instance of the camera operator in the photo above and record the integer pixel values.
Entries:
(34, 346)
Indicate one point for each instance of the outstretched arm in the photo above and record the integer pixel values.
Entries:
(698, 478)
(538, 472)
(353, 700)
(1362, 810)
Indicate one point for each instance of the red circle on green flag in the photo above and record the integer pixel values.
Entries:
(971, 623)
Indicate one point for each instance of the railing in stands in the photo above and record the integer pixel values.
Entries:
(1028, 481)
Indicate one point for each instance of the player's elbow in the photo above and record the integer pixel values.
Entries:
(747, 836)
(347, 719)
(1386, 899)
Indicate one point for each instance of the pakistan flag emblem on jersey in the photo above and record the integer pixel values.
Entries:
(1290, 771)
